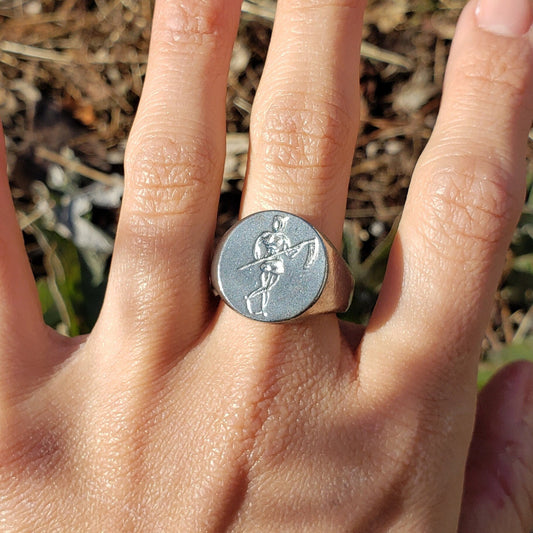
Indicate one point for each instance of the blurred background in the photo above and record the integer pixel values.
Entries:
(71, 75)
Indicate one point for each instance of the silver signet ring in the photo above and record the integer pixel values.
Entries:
(273, 266)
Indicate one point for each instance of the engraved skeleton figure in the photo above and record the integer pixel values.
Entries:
(270, 250)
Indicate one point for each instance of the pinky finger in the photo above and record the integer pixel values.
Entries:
(21, 325)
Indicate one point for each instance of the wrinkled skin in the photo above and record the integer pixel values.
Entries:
(176, 414)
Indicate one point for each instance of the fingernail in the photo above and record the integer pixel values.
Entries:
(511, 18)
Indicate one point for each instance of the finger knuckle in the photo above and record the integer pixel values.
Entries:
(507, 69)
(470, 206)
(186, 22)
(302, 139)
(166, 177)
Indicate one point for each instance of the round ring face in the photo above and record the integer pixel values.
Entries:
(271, 266)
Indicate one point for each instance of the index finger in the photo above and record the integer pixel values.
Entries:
(465, 199)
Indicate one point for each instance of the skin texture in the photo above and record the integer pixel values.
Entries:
(176, 414)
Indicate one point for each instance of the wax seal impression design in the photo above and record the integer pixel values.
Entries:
(272, 266)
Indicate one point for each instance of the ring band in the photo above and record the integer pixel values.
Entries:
(274, 266)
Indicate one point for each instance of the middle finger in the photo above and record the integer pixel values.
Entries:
(305, 118)
(158, 286)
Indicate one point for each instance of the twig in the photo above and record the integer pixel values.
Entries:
(493, 340)
(526, 325)
(75, 166)
(26, 220)
(371, 51)
(34, 52)
(265, 9)
(507, 327)
(52, 271)
(53, 56)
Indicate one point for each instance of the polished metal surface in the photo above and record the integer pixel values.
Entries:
(271, 266)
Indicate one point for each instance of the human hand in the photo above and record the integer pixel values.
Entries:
(177, 414)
